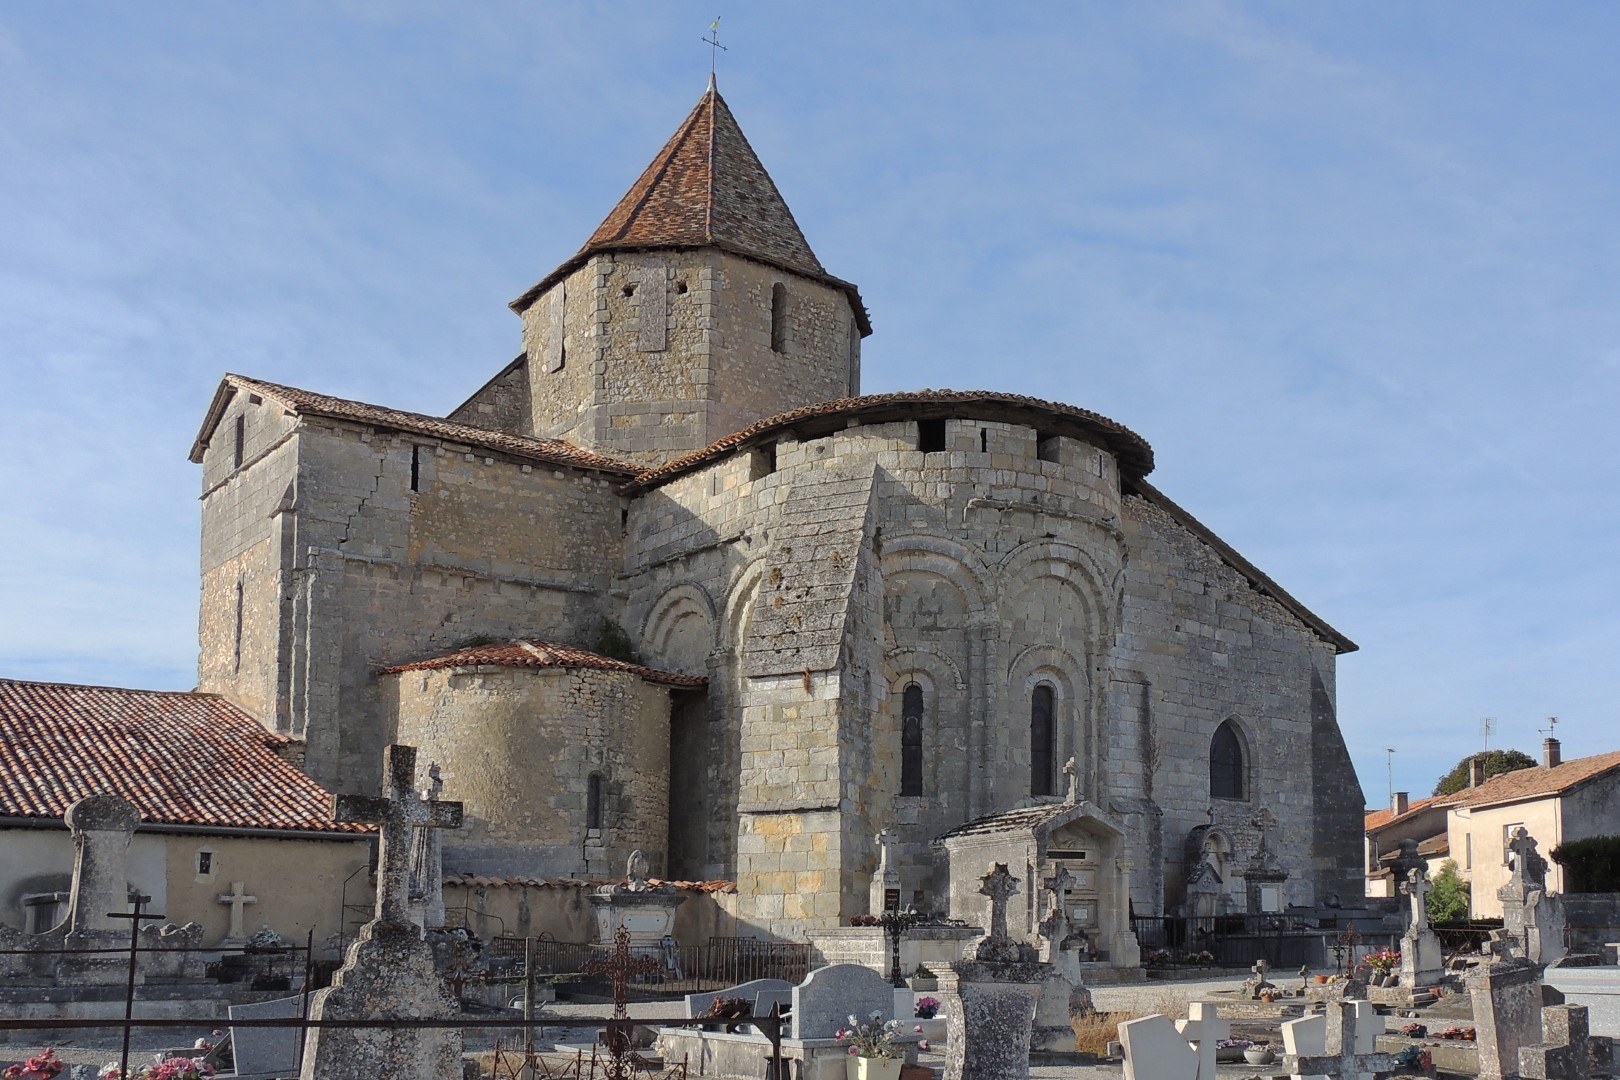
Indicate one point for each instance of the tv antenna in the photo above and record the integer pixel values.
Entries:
(1552, 725)
(1487, 728)
(1389, 761)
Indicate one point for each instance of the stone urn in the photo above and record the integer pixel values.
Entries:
(872, 1068)
(1259, 1055)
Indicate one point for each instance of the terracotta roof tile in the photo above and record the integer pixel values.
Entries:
(528, 652)
(1377, 819)
(307, 402)
(705, 188)
(1135, 455)
(1539, 780)
(483, 881)
(1028, 817)
(180, 759)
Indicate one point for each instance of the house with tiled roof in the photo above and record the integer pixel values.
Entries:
(218, 798)
(1555, 802)
(669, 581)
(1422, 821)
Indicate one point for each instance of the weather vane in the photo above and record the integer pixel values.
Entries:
(715, 48)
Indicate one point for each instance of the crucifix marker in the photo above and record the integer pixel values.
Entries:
(1000, 886)
(1418, 888)
(237, 898)
(396, 812)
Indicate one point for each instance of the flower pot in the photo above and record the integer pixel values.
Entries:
(867, 1068)
(1229, 1054)
(916, 1072)
(1321, 980)
(1258, 1055)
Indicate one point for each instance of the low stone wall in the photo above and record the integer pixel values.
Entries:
(935, 947)
(495, 908)
(1593, 920)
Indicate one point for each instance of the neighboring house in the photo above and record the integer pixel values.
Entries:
(1555, 802)
(1423, 821)
(218, 805)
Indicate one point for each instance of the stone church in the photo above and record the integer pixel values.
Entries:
(668, 581)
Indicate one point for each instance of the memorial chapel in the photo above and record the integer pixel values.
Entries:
(667, 581)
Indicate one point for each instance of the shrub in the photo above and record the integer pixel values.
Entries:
(1591, 865)
(1448, 900)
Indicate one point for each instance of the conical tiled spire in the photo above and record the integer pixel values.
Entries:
(705, 188)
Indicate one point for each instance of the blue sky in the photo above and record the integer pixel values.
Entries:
(1349, 268)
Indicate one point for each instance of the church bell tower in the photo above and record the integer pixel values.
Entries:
(694, 309)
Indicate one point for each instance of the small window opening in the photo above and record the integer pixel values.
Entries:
(416, 468)
(911, 741)
(241, 441)
(1228, 771)
(593, 801)
(930, 436)
(680, 288)
(1046, 446)
(779, 318)
(624, 519)
(1102, 464)
(205, 862)
(630, 290)
(236, 647)
(1040, 740)
(984, 440)
(762, 461)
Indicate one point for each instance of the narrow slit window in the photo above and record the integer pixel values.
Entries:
(236, 646)
(1040, 740)
(911, 741)
(984, 440)
(416, 468)
(931, 436)
(779, 318)
(241, 441)
(593, 802)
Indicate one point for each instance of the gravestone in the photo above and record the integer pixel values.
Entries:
(1063, 994)
(1532, 918)
(1564, 1052)
(389, 973)
(698, 1004)
(1263, 875)
(1203, 1028)
(102, 826)
(1421, 960)
(1257, 983)
(829, 996)
(1506, 997)
(884, 894)
(427, 864)
(237, 898)
(990, 995)
(1305, 1037)
(263, 1053)
(1352, 1033)
(1155, 1050)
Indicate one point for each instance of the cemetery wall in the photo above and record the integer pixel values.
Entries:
(1594, 921)
(298, 882)
(519, 745)
(1202, 646)
(516, 908)
(378, 573)
(646, 356)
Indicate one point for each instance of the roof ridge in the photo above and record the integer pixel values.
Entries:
(102, 686)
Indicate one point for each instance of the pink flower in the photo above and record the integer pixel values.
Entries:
(853, 1051)
(922, 1044)
(918, 1029)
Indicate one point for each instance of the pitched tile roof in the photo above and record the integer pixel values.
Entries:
(705, 188)
(1135, 455)
(309, 403)
(181, 759)
(527, 652)
(1378, 819)
(1019, 820)
(1539, 781)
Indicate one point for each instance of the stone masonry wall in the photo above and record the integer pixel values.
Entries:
(518, 746)
(647, 356)
(502, 404)
(1198, 646)
(376, 574)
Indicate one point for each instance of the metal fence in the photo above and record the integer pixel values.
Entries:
(668, 968)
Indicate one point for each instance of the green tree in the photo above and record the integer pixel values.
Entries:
(1496, 761)
(1448, 900)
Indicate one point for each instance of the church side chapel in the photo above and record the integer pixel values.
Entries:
(668, 582)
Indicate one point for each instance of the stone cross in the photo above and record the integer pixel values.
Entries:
(396, 812)
(1072, 771)
(1342, 1061)
(1265, 821)
(1204, 1028)
(427, 862)
(1564, 1052)
(1261, 969)
(1057, 918)
(102, 826)
(237, 897)
(1000, 886)
(1418, 888)
(1528, 866)
(885, 840)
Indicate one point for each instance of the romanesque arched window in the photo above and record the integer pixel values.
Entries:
(1041, 749)
(779, 317)
(1228, 764)
(911, 741)
(593, 801)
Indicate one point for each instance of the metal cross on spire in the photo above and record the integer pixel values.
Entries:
(715, 48)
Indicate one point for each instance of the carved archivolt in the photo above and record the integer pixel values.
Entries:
(679, 630)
